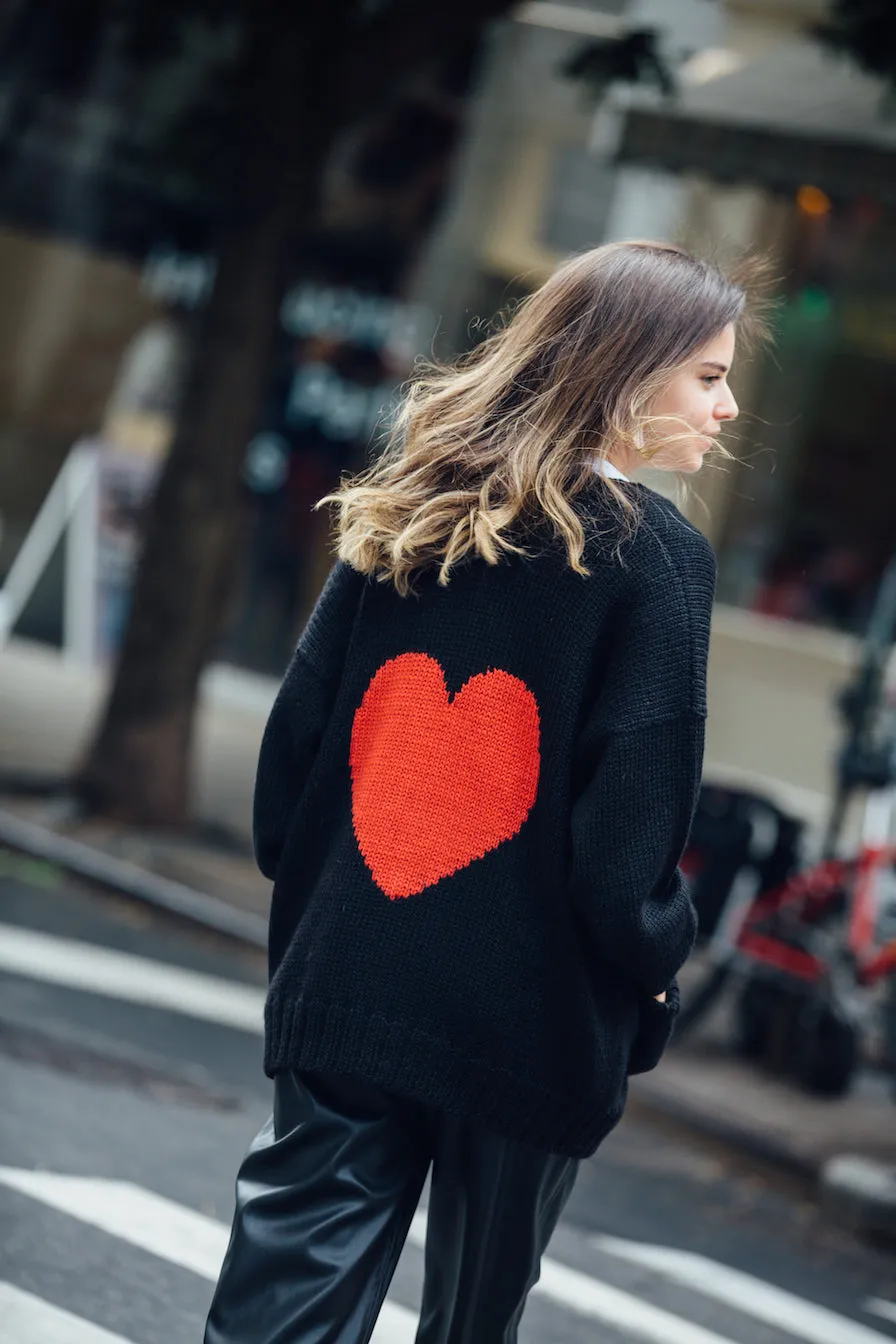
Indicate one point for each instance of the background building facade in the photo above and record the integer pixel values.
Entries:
(459, 201)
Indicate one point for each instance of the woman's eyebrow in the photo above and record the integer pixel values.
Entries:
(712, 364)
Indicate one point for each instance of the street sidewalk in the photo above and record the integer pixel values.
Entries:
(47, 709)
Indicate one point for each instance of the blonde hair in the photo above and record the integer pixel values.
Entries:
(485, 452)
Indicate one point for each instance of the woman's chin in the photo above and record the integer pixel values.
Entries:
(683, 464)
(692, 465)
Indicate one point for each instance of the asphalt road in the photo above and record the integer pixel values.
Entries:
(131, 1088)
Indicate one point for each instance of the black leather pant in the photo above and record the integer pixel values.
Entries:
(324, 1200)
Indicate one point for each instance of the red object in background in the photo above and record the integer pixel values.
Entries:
(777, 920)
(692, 863)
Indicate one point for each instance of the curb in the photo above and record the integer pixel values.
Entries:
(854, 1192)
(209, 912)
(725, 1131)
(861, 1194)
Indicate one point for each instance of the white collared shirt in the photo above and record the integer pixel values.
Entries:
(605, 468)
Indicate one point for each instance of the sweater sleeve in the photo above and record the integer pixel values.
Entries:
(639, 764)
(630, 826)
(300, 714)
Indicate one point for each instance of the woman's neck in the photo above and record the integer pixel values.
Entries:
(624, 459)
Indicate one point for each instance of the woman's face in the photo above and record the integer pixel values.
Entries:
(693, 407)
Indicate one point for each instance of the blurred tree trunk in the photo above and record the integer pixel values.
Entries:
(313, 78)
(138, 765)
(137, 768)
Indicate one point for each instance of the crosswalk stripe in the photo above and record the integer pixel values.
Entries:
(164, 1228)
(878, 1306)
(197, 1243)
(146, 1220)
(590, 1297)
(753, 1296)
(25, 1319)
(120, 975)
(395, 1325)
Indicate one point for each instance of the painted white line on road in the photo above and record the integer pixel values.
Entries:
(120, 975)
(163, 1228)
(586, 1296)
(754, 1297)
(590, 1297)
(140, 1217)
(196, 1242)
(395, 1325)
(25, 1319)
(878, 1306)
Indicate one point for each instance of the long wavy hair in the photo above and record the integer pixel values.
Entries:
(483, 453)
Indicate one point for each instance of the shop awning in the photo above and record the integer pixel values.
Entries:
(778, 161)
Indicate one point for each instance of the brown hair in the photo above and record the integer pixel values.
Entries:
(508, 436)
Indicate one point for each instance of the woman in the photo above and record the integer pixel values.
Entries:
(473, 793)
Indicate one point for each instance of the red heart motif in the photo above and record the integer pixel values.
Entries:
(438, 782)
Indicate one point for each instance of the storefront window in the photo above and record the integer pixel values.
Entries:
(342, 353)
(115, 152)
(811, 522)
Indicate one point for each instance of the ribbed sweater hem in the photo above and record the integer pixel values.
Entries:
(410, 1062)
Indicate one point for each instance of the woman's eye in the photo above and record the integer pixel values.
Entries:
(710, 378)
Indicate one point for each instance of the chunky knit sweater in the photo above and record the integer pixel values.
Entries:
(472, 802)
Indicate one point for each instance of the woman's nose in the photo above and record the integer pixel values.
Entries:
(727, 409)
